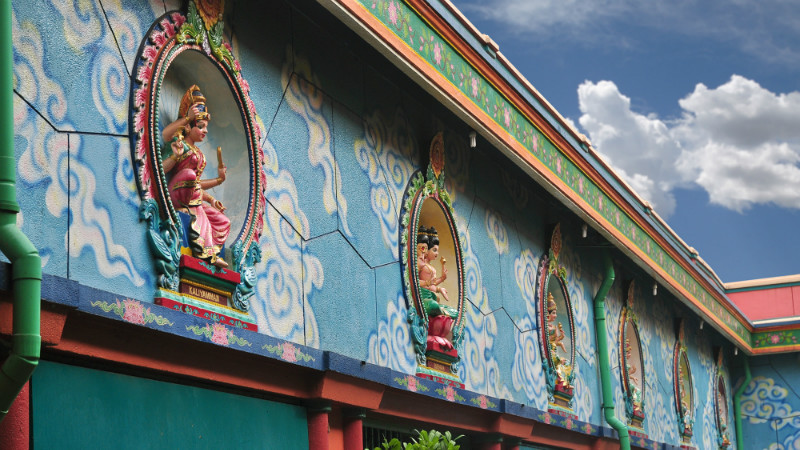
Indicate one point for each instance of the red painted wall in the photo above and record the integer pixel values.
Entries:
(768, 303)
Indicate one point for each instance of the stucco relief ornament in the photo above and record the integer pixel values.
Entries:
(632, 362)
(721, 403)
(684, 390)
(557, 326)
(185, 56)
(433, 271)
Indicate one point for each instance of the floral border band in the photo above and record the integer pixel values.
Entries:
(132, 311)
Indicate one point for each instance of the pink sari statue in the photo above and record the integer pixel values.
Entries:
(210, 227)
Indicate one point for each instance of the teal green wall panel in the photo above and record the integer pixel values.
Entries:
(78, 408)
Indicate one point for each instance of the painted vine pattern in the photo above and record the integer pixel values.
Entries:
(218, 334)
(132, 311)
(404, 22)
(288, 352)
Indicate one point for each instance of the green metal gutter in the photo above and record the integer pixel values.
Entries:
(602, 351)
(737, 404)
(26, 266)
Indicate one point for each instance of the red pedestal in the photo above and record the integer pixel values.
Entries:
(318, 429)
(15, 428)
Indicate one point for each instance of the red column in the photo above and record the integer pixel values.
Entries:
(15, 428)
(353, 429)
(492, 446)
(318, 427)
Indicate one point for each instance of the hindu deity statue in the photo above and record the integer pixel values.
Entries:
(429, 285)
(188, 191)
(636, 393)
(554, 328)
(556, 335)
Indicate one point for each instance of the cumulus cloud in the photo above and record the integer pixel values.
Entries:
(738, 141)
(640, 148)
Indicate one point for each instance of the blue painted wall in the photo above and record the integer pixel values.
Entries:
(771, 404)
(344, 133)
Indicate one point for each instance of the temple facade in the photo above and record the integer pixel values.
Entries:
(327, 224)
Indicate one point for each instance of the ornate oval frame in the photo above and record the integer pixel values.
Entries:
(559, 375)
(634, 396)
(682, 378)
(721, 404)
(418, 192)
(169, 36)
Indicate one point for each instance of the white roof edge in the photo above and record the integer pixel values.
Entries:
(762, 282)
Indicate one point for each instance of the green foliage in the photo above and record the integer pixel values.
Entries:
(426, 440)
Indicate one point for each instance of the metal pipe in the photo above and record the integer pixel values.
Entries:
(26, 265)
(602, 353)
(737, 404)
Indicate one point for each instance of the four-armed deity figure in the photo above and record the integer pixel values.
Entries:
(554, 328)
(209, 227)
(429, 285)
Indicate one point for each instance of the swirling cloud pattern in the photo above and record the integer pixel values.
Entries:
(526, 370)
(306, 99)
(496, 230)
(390, 345)
(385, 154)
(287, 276)
(47, 160)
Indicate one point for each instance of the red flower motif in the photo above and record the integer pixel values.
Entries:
(133, 312)
(139, 121)
(149, 53)
(775, 338)
(159, 39)
(451, 394)
(178, 19)
(289, 352)
(412, 383)
(168, 27)
(483, 401)
(144, 73)
(219, 334)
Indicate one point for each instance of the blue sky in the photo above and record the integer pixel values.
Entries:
(696, 103)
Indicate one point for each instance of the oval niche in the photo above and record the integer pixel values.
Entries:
(435, 305)
(556, 325)
(225, 129)
(178, 52)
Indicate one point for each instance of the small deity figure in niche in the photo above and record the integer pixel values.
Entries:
(429, 284)
(554, 328)
(636, 393)
(188, 192)
(556, 335)
(631, 369)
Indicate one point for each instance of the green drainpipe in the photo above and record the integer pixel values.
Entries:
(26, 266)
(737, 404)
(602, 351)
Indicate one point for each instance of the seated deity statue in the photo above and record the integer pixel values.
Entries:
(188, 191)
(430, 286)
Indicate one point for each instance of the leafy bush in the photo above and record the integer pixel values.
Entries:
(426, 440)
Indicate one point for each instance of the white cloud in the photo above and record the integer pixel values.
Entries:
(738, 141)
(765, 29)
(640, 148)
